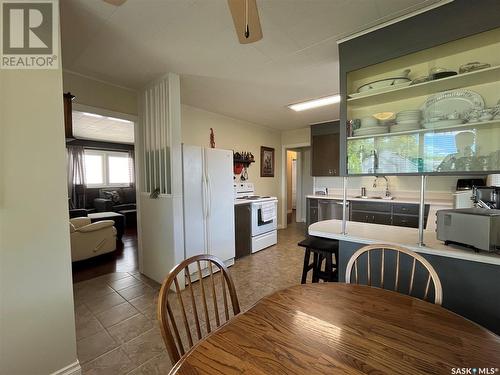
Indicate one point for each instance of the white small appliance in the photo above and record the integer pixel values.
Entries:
(264, 215)
(208, 202)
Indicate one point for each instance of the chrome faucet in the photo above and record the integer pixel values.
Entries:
(387, 192)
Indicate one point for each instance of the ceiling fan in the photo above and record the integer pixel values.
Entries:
(245, 18)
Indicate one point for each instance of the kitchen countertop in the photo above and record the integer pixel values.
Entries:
(366, 233)
(437, 202)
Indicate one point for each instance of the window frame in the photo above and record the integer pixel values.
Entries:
(105, 167)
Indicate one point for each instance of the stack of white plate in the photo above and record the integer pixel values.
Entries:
(407, 120)
(371, 130)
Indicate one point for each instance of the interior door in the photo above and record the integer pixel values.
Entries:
(220, 208)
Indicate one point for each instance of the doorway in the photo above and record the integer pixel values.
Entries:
(298, 183)
(102, 195)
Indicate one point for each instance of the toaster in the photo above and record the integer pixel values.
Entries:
(477, 228)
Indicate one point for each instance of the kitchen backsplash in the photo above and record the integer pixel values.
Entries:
(441, 184)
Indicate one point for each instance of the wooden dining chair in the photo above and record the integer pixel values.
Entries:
(196, 307)
(379, 277)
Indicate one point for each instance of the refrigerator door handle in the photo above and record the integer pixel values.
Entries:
(209, 195)
(205, 197)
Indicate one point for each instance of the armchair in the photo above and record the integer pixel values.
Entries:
(91, 239)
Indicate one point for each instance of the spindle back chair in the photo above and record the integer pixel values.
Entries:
(174, 306)
(416, 258)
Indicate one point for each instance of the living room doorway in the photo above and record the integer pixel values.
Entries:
(102, 179)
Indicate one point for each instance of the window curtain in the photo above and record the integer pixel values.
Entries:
(76, 176)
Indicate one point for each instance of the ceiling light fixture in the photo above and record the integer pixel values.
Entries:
(92, 115)
(119, 120)
(315, 103)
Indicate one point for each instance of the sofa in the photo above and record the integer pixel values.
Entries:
(115, 199)
(91, 239)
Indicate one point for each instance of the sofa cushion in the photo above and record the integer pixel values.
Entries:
(127, 194)
(112, 195)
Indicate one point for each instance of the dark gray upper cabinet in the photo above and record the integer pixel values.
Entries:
(450, 35)
(325, 140)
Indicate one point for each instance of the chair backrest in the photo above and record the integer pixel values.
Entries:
(197, 306)
(381, 275)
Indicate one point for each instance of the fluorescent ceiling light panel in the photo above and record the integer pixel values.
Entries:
(92, 115)
(315, 103)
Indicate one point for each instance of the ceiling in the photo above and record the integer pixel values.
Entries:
(296, 60)
(101, 128)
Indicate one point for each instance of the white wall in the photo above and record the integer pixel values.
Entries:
(95, 93)
(238, 135)
(37, 328)
(296, 136)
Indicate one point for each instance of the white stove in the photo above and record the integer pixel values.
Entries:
(244, 193)
(264, 215)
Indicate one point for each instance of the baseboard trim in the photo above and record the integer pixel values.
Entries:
(72, 369)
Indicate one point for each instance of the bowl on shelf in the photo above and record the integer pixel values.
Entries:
(438, 73)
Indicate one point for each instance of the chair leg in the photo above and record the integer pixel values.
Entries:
(305, 269)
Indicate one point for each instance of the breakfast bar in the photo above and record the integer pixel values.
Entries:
(470, 279)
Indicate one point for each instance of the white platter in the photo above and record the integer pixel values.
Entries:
(379, 90)
(448, 102)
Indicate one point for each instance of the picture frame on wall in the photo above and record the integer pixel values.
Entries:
(266, 161)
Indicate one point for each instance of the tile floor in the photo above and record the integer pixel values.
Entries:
(116, 326)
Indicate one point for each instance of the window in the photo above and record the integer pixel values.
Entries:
(107, 168)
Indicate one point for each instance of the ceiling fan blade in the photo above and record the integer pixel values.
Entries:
(115, 2)
(239, 12)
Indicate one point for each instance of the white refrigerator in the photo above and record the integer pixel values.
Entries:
(208, 202)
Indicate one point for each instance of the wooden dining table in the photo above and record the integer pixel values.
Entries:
(334, 328)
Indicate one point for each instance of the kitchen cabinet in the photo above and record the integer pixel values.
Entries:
(312, 211)
(325, 141)
(424, 123)
(387, 213)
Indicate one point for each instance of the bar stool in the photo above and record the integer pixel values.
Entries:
(322, 249)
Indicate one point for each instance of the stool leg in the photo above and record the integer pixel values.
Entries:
(329, 267)
(335, 275)
(305, 269)
(317, 265)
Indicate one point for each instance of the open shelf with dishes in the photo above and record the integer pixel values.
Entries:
(430, 112)
(467, 126)
(390, 94)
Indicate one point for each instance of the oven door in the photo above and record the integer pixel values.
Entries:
(258, 225)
